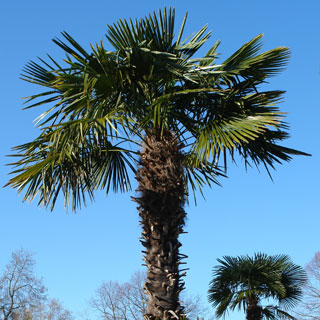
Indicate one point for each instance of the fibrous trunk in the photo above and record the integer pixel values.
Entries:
(161, 201)
(254, 312)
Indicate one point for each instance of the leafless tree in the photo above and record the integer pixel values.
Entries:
(55, 311)
(309, 309)
(50, 310)
(128, 301)
(107, 301)
(23, 295)
(19, 287)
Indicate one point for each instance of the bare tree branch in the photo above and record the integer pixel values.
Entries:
(309, 309)
(128, 301)
(19, 287)
(22, 294)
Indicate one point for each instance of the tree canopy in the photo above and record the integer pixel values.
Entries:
(102, 101)
(247, 282)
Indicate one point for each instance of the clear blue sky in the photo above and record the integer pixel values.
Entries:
(250, 213)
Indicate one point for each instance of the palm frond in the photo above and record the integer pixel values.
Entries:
(199, 174)
(64, 166)
(247, 63)
(274, 313)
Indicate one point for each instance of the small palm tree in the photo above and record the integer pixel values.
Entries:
(151, 107)
(243, 282)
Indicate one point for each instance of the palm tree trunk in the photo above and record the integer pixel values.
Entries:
(162, 197)
(254, 311)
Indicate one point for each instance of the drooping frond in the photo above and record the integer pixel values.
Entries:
(199, 174)
(54, 164)
(275, 313)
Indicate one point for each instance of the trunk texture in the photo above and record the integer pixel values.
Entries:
(254, 311)
(161, 202)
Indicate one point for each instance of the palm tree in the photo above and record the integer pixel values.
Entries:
(151, 107)
(244, 281)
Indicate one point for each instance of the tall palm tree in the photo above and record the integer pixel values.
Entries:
(150, 106)
(244, 282)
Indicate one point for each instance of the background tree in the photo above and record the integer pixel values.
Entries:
(47, 310)
(185, 114)
(56, 311)
(108, 301)
(244, 282)
(310, 305)
(128, 301)
(23, 295)
(20, 289)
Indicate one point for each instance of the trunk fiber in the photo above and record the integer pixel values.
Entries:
(254, 312)
(161, 201)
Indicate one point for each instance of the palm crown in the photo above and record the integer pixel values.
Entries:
(243, 282)
(102, 100)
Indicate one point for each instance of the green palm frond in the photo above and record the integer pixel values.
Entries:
(41, 171)
(250, 125)
(246, 61)
(210, 57)
(199, 174)
(72, 161)
(274, 313)
(265, 150)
